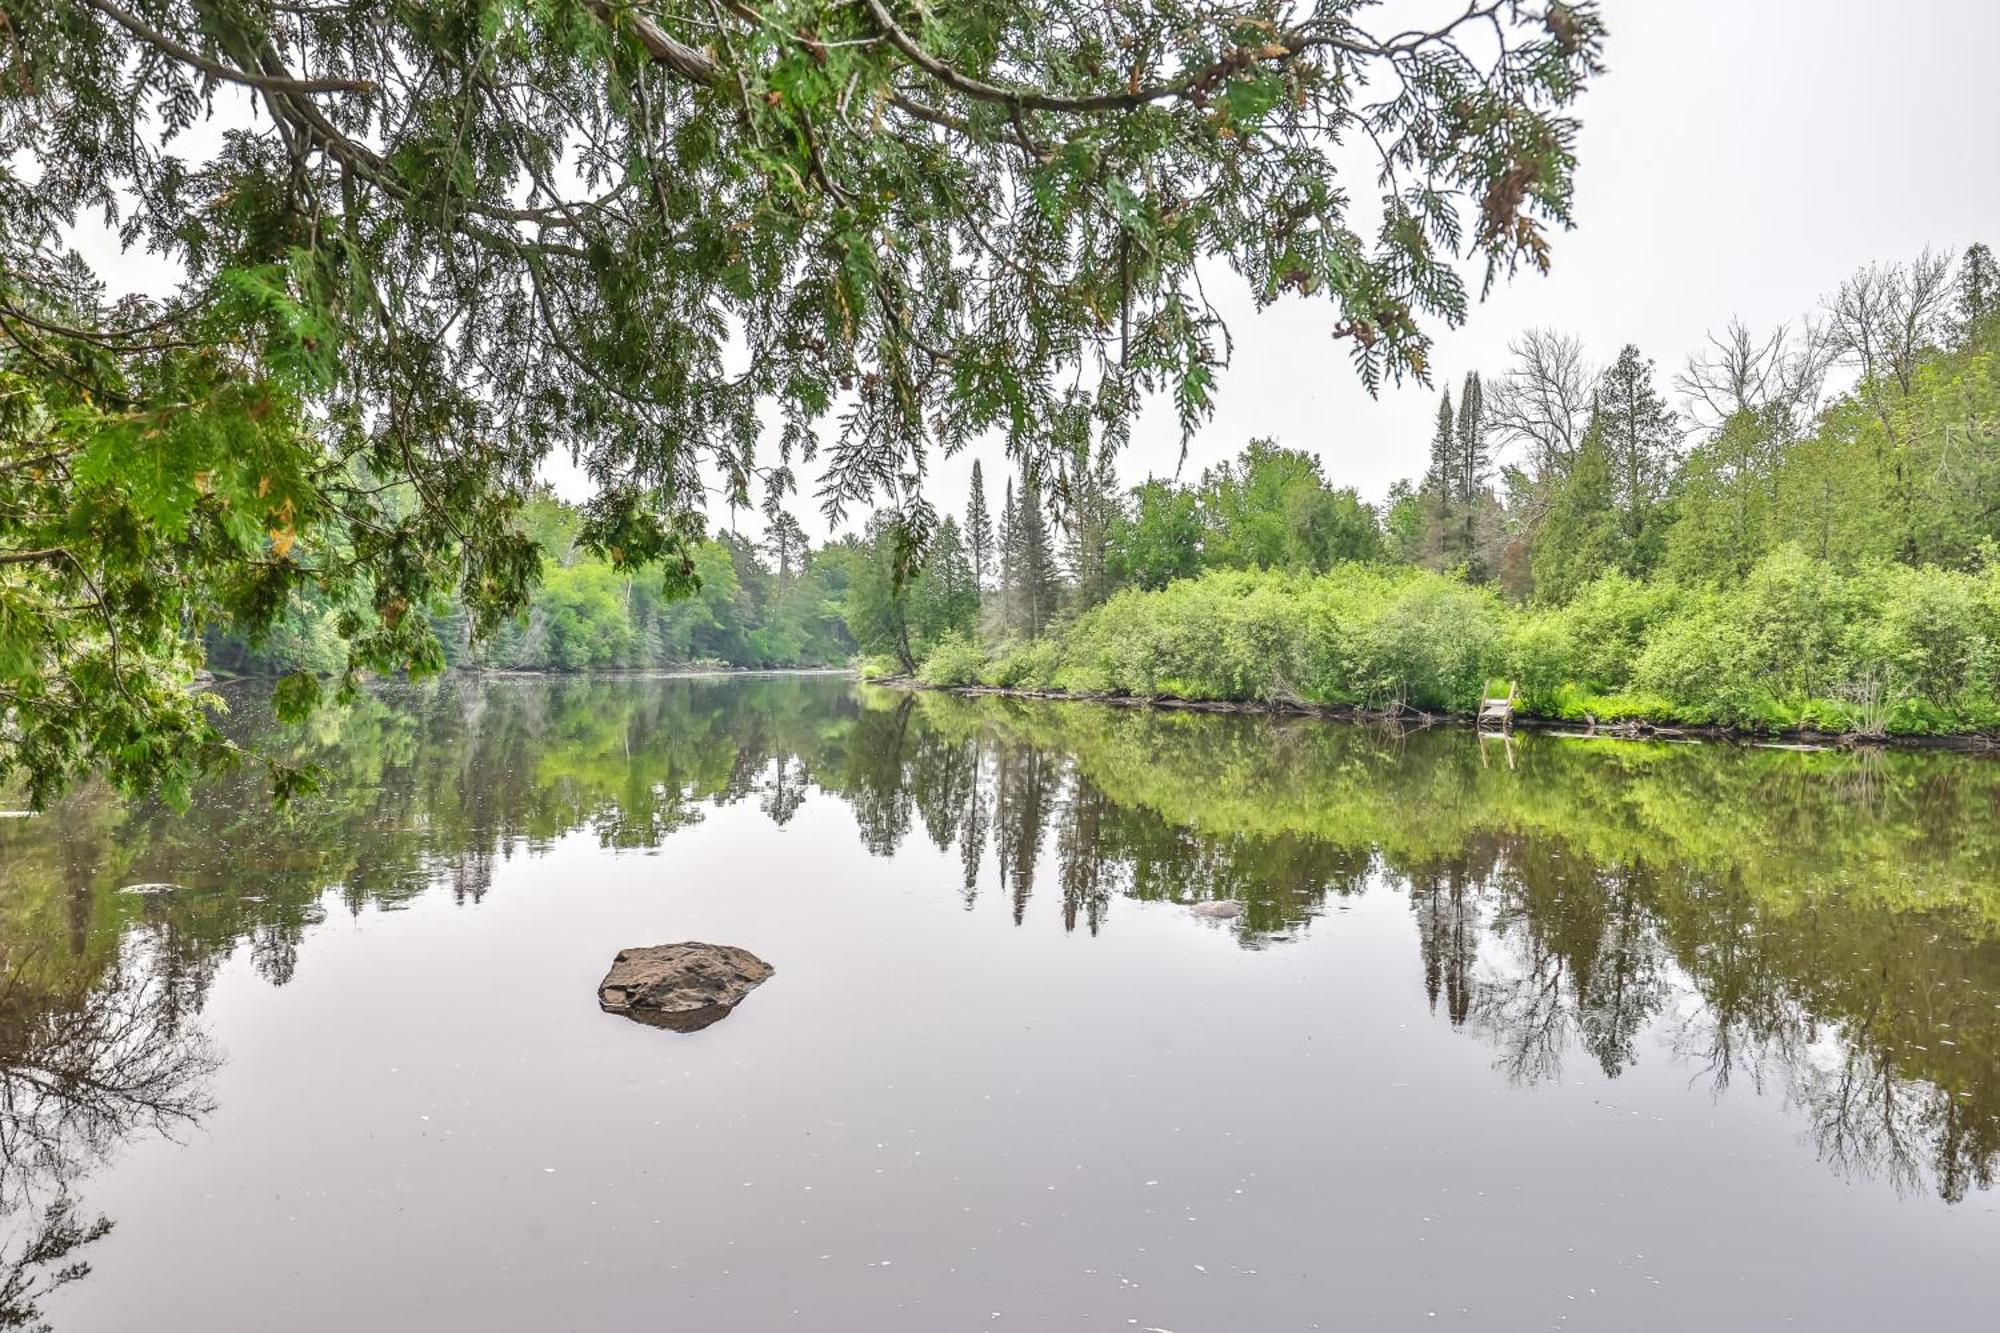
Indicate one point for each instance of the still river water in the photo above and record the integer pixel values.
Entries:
(1588, 1035)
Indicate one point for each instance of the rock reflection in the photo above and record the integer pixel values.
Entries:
(1824, 928)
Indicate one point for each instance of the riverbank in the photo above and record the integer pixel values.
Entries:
(1798, 649)
(1559, 728)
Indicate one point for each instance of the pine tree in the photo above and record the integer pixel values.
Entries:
(979, 528)
(1093, 510)
(1010, 561)
(1036, 582)
(1581, 537)
(1444, 451)
(943, 597)
(1640, 434)
(1978, 287)
(1473, 465)
(785, 542)
(1473, 468)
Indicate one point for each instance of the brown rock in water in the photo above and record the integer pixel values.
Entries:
(680, 986)
(1224, 909)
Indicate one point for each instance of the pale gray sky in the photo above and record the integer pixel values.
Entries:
(1738, 157)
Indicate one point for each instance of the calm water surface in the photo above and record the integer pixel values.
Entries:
(1577, 1035)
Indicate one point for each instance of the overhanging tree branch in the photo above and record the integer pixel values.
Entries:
(187, 55)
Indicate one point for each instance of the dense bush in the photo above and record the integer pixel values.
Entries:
(1797, 643)
(957, 660)
(1025, 666)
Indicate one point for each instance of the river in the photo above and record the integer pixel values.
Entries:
(1537, 1034)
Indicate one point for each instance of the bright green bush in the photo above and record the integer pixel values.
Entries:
(957, 660)
(1025, 666)
(1607, 623)
(1541, 655)
(881, 666)
(1433, 645)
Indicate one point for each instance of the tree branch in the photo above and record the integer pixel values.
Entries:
(1281, 47)
(187, 55)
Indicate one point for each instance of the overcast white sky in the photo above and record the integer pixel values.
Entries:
(1738, 157)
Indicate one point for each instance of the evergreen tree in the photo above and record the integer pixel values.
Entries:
(1036, 584)
(1473, 470)
(1473, 465)
(1639, 435)
(786, 544)
(1093, 510)
(1010, 553)
(1978, 287)
(1443, 479)
(979, 528)
(1581, 536)
(944, 598)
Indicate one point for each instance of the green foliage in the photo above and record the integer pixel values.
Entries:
(1272, 509)
(1024, 666)
(1031, 586)
(1581, 537)
(454, 241)
(1157, 537)
(880, 666)
(1797, 644)
(1355, 636)
(902, 600)
(944, 596)
(957, 660)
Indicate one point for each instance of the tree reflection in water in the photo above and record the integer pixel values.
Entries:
(82, 1070)
(1822, 927)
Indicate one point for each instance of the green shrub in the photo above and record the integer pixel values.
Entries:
(1025, 666)
(956, 660)
(1434, 645)
(1607, 623)
(1625, 707)
(1541, 656)
(880, 666)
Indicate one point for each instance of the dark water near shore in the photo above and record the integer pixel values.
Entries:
(1557, 1035)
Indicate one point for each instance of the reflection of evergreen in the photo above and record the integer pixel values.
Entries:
(873, 780)
(1024, 784)
(1088, 875)
(972, 829)
(1446, 896)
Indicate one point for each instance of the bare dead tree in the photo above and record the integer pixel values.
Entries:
(1886, 316)
(1779, 377)
(1542, 403)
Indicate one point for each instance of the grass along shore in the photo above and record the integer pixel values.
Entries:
(1799, 647)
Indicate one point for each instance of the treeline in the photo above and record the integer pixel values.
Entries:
(781, 604)
(1759, 556)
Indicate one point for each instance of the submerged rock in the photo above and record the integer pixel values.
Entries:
(683, 986)
(1226, 909)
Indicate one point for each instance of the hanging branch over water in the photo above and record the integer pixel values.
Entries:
(427, 247)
